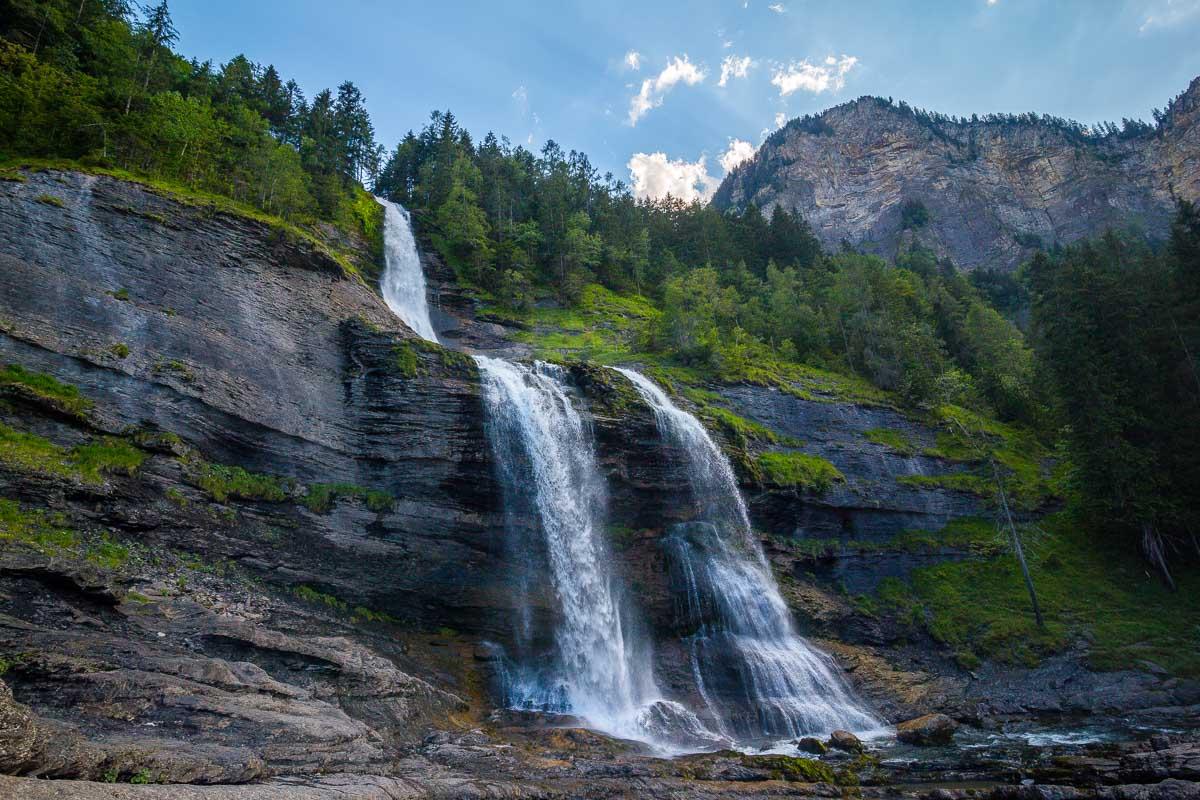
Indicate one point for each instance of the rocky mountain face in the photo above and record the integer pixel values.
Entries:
(261, 551)
(985, 193)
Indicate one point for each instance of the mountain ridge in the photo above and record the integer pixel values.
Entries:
(992, 189)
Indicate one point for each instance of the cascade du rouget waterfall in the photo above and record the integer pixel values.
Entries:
(757, 679)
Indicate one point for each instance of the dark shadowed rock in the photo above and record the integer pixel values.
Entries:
(812, 745)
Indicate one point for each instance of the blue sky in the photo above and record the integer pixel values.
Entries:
(679, 91)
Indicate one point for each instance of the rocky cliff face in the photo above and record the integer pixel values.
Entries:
(993, 190)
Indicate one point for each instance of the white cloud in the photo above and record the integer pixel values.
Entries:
(633, 60)
(521, 97)
(991, 2)
(780, 119)
(1168, 13)
(734, 67)
(778, 8)
(728, 43)
(654, 90)
(816, 78)
(737, 152)
(655, 176)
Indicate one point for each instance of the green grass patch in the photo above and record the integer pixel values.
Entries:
(1091, 592)
(311, 595)
(61, 395)
(799, 471)
(603, 327)
(50, 200)
(405, 361)
(892, 439)
(120, 350)
(222, 482)
(320, 497)
(739, 430)
(954, 481)
(27, 452)
(51, 534)
(365, 215)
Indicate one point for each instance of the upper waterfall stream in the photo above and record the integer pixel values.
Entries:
(403, 282)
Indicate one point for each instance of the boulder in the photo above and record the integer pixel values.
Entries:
(927, 730)
(846, 741)
(810, 744)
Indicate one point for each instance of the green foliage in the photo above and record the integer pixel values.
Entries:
(893, 440)
(311, 595)
(223, 482)
(120, 350)
(99, 82)
(405, 360)
(803, 770)
(913, 215)
(86, 463)
(1117, 332)
(799, 471)
(62, 395)
(50, 200)
(320, 497)
(739, 430)
(1089, 591)
(51, 534)
(108, 454)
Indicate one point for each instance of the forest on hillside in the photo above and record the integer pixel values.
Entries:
(1092, 347)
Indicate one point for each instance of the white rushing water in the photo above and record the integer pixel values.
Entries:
(601, 669)
(403, 281)
(759, 677)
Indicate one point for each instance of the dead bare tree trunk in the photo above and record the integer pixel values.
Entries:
(1013, 534)
(1016, 542)
(1152, 547)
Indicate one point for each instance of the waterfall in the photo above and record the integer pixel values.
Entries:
(757, 677)
(760, 679)
(601, 667)
(403, 281)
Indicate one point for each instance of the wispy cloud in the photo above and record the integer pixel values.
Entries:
(734, 67)
(737, 152)
(778, 8)
(1168, 13)
(829, 76)
(678, 70)
(633, 60)
(655, 176)
(521, 97)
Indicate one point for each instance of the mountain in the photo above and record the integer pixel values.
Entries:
(984, 192)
